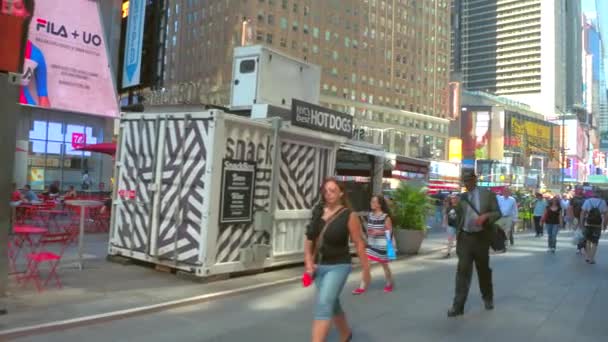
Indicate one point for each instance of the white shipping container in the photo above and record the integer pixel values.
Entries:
(171, 162)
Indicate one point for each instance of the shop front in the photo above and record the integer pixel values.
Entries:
(68, 99)
(359, 167)
(444, 177)
(46, 151)
(405, 169)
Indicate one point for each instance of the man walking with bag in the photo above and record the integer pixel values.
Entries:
(478, 210)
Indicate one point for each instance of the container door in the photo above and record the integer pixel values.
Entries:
(186, 147)
(135, 177)
(302, 170)
(245, 81)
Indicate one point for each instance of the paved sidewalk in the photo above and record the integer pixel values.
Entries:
(104, 287)
(539, 297)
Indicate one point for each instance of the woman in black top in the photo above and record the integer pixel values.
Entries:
(327, 258)
(552, 219)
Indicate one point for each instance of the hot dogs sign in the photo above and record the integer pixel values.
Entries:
(317, 118)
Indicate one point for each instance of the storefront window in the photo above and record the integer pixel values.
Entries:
(414, 145)
(399, 143)
(52, 157)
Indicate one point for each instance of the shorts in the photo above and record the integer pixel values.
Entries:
(593, 234)
(451, 232)
(330, 280)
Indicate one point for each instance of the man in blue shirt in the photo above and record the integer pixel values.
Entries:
(30, 196)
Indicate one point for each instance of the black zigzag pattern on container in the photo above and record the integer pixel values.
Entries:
(181, 212)
(296, 177)
(136, 173)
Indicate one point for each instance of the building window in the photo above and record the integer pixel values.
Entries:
(305, 29)
(283, 42)
(295, 26)
(270, 19)
(283, 24)
(284, 4)
(294, 44)
(295, 8)
(269, 38)
(315, 32)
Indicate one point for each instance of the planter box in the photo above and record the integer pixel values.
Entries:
(409, 241)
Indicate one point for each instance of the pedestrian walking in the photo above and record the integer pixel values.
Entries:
(510, 213)
(552, 220)
(575, 210)
(450, 221)
(327, 258)
(379, 235)
(539, 210)
(565, 204)
(478, 211)
(593, 217)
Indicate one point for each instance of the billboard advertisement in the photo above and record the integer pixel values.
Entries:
(475, 123)
(134, 43)
(14, 21)
(65, 60)
(525, 133)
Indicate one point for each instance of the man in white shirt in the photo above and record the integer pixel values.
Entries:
(509, 212)
(593, 216)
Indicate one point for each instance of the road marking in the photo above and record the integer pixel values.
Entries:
(147, 309)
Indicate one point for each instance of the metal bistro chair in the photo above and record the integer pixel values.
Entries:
(44, 256)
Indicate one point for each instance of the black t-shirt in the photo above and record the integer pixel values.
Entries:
(553, 215)
(334, 248)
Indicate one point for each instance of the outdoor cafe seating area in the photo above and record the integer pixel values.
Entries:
(46, 230)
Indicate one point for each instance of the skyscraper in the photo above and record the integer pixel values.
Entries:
(502, 51)
(384, 62)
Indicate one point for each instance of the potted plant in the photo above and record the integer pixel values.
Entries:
(410, 207)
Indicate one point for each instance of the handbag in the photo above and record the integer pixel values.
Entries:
(308, 278)
(390, 249)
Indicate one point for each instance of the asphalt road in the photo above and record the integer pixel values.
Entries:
(539, 297)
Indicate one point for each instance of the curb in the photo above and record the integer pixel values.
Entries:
(148, 309)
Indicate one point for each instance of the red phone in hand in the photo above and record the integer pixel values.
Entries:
(307, 279)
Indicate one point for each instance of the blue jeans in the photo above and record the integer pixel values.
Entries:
(330, 280)
(552, 230)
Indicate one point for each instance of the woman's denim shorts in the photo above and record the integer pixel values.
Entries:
(330, 280)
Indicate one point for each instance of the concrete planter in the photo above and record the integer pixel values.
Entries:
(409, 241)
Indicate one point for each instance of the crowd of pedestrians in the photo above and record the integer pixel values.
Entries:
(476, 222)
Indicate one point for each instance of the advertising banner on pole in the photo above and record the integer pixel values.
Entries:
(133, 43)
(66, 63)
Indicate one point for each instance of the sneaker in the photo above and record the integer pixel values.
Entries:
(358, 291)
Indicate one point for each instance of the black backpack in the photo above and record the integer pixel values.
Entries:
(577, 205)
(594, 218)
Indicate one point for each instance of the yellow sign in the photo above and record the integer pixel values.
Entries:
(537, 135)
(455, 150)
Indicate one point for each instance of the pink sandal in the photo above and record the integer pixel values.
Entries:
(358, 291)
(388, 288)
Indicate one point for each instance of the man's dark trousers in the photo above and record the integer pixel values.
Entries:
(473, 248)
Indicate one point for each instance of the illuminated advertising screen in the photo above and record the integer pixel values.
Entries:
(14, 20)
(65, 60)
(475, 123)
